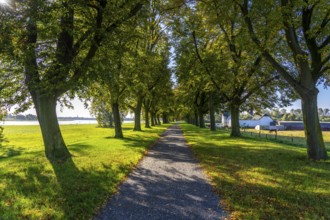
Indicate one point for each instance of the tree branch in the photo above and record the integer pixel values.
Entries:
(202, 62)
(285, 74)
(258, 87)
(290, 32)
(250, 73)
(98, 38)
(30, 61)
(325, 42)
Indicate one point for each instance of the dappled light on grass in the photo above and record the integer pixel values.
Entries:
(33, 188)
(258, 179)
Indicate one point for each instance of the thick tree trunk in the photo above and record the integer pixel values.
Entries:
(55, 148)
(235, 127)
(147, 122)
(137, 114)
(158, 120)
(315, 145)
(117, 120)
(212, 117)
(201, 120)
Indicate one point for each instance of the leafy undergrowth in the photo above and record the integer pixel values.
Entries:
(31, 188)
(257, 179)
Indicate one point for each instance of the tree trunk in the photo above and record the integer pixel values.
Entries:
(235, 128)
(147, 122)
(137, 115)
(165, 118)
(111, 119)
(153, 123)
(201, 120)
(196, 119)
(117, 120)
(55, 148)
(212, 117)
(188, 119)
(158, 120)
(313, 132)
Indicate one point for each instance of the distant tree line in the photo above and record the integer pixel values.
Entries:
(21, 117)
(292, 115)
(32, 117)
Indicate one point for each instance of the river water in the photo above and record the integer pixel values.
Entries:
(73, 122)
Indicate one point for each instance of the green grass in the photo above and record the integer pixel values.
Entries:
(31, 188)
(296, 138)
(259, 179)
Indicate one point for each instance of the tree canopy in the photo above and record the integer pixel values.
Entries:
(165, 59)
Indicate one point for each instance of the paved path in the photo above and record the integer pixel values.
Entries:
(167, 184)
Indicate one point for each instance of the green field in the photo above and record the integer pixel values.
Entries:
(296, 138)
(31, 188)
(258, 179)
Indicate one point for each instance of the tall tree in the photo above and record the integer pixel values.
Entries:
(111, 65)
(55, 42)
(150, 57)
(293, 36)
(227, 62)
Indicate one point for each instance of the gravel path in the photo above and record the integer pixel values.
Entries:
(167, 184)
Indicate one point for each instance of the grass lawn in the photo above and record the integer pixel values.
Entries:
(31, 188)
(259, 179)
(289, 137)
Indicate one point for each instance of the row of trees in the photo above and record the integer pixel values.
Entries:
(114, 53)
(236, 55)
(254, 54)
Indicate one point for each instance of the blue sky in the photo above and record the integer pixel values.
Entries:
(323, 99)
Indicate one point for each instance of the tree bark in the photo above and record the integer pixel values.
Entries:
(201, 120)
(158, 120)
(235, 127)
(147, 122)
(117, 120)
(55, 148)
(196, 119)
(110, 114)
(153, 123)
(315, 145)
(165, 118)
(137, 115)
(212, 117)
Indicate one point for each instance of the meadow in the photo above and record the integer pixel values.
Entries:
(262, 179)
(296, 138)
(32, 188)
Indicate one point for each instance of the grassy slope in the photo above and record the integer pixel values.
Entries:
(262, 180)
(31, 188)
